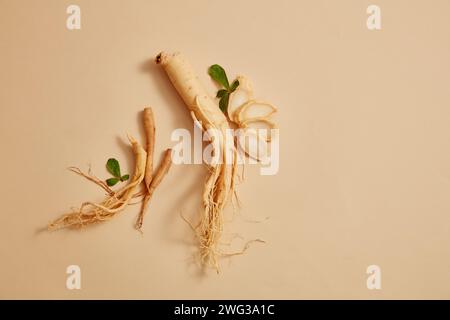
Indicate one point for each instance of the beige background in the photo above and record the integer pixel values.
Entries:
(365, 156)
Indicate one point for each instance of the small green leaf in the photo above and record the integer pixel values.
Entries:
(223, 103)
(125, 177)
(221, 93)
(218, 74)
(112, 181)
(234, 85)
(113, 167)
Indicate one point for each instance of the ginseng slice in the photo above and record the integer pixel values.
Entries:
(252, 144)
(238, 98)
(255, 109)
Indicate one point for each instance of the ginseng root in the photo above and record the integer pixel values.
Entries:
(89, 176)
(149, 128)
(220, 182)
(151, 182)
(91, 213)
(154, 183)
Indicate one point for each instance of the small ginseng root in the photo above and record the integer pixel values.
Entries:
(91, 213)
(151, 182)
(89, 176)
(155, 181)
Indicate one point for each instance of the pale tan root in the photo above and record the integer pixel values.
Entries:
(149, 127)
(246, 246)
(220, 253)
(151, 182)
(220, 183)
(112, 205)
(156, 180)
(94, 179)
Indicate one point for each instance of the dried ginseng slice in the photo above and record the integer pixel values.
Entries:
(253, 143)
(240, 96)
(253, 110)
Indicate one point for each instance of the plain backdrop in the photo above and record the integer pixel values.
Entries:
(364, 173)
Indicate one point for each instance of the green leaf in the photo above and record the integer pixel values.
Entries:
(218, 74)
(223, 103)
(125, 177)
(221, 93)
(113, 167)
(234, 85)
(112, 181)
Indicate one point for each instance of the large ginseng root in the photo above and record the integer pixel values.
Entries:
(220, 182)
(91, 213)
